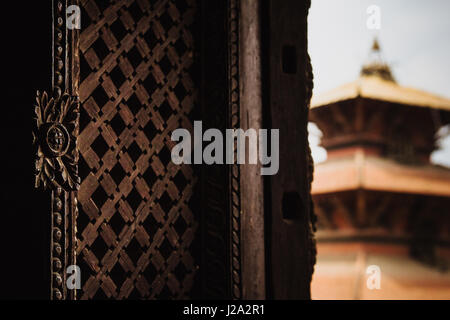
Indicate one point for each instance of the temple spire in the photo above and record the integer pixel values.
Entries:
(375, 45)
(376, 65)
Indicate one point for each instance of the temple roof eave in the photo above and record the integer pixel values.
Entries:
(372, 87)
(378, 174)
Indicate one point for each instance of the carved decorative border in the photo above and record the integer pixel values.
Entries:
(58, 232)
(221, 197)
(235, 172)
(55, 133)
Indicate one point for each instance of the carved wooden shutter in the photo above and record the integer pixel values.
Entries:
(121, 210)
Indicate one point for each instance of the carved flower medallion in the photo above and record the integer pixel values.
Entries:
(55, 128)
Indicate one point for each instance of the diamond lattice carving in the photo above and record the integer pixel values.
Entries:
(135, 226)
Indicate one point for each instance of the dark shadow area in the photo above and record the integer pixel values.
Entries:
(26, 68)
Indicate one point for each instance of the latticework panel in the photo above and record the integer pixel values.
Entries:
(135, 227)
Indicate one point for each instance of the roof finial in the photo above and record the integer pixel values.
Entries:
(375, 45)
(376, 65)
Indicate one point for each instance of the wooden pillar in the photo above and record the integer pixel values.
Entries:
(291, 251)
(252, 190)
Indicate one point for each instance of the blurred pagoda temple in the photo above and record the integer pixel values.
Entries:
(378, 199)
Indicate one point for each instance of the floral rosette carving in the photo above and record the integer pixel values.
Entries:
(55, 129)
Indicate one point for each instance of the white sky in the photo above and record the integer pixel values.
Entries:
(414, 39)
